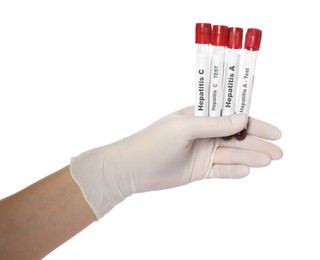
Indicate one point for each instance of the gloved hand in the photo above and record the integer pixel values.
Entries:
(175, 150)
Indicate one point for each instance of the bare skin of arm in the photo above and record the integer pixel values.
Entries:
(41, 217)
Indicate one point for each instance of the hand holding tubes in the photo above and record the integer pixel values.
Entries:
(175, 150)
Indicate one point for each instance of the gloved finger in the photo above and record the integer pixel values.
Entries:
(209, 127)
(255, 126)
(225, 155)
(255, 144)
(262, 129)
(230, 171)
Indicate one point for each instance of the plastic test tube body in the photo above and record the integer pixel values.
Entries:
(202, 75)
(252, 46)
(219, 43)
(232, 68)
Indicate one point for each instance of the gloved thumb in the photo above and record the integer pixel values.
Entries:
(210, 127)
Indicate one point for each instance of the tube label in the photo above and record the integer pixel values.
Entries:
(230, 83)
(216, 85)
(246, 83)
(202, 85)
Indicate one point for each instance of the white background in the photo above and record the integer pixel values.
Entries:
(79, 74)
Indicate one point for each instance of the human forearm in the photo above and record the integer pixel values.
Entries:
(38, 219)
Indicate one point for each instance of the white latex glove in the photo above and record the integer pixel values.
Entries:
(175, 150)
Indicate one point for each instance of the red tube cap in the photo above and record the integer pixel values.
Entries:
(203, 33)
(220, 35)
(253, 39)
(235, 38)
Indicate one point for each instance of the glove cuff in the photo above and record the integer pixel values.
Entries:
(100, 191)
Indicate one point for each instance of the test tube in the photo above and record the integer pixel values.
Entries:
(202, 75)
(232, 67)
(218, 46)
(251, 46)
